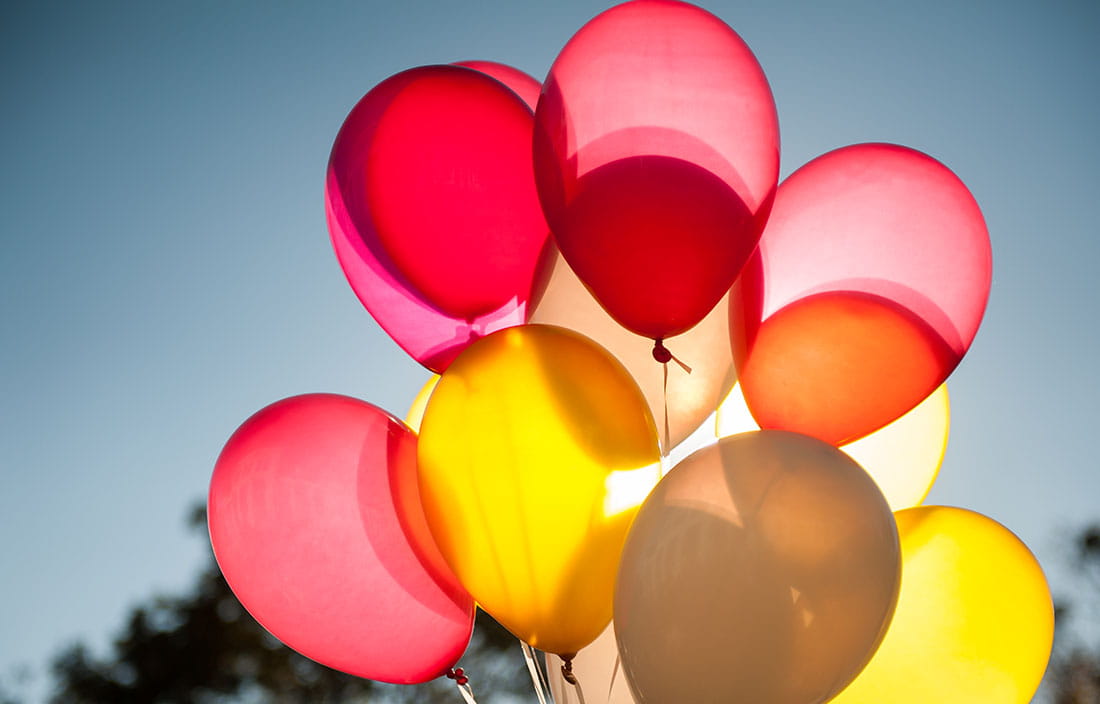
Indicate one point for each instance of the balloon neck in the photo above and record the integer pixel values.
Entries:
(660, 352)
(662, 355)
(458, 675)
(567, 668)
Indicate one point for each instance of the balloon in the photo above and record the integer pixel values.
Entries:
(523, 85)
(437, 277)
(688, 397)
(535, 451)
(316, 524)
(903, 458)
(868, 287)
(761, 569)
(974, 621)
(656, 159)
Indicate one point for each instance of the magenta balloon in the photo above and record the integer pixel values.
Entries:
(436, 278)
(656, 158)
(522, 84)
(869, 222)
(316, 524)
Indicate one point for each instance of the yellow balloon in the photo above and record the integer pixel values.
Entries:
(416, 411)
(535, 451)
(904, 457)
(974, 621)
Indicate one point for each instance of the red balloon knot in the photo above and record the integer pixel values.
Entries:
(660, 352)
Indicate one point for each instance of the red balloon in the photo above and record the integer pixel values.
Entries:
(867, 289)
(316, 523)
(656, 157)
(432, 209)
(449, 187)
(524, 86)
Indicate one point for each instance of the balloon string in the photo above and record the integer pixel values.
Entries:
(535, 672)
(667, 447)
(463, 684)
(663, 356)
(614, 674)
(568, 675)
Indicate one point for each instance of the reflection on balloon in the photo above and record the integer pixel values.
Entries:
(688, 397)
(535, 450)
(974, 621)
(436, 278)
(762, 569)
(317, 526)
(656, 157)
(903, 458)
(867, 289)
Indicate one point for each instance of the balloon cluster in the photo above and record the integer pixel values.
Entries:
(539, 247)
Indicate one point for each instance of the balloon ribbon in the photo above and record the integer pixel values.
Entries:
(536, 672)
(663, 356)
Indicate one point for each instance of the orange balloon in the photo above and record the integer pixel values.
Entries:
(841, 364)
(689, 397)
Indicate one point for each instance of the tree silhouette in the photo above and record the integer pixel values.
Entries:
(1074, 672)
(204, 647)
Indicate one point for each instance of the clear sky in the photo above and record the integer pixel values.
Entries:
(166, 269)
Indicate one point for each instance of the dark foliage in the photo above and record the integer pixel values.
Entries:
(1074, 673)
(204, 647)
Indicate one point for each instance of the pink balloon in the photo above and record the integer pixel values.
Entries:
(656, 157)
(864, 236)
(432, 210)
(316, 524)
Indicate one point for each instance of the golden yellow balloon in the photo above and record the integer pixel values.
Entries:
(535, 451)
(974, 621)
(903, 457)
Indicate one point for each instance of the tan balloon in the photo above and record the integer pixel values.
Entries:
(761, 569)
(692, 397)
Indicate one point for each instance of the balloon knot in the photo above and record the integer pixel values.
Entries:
(458, 675)
(660, 352)
(567, 670)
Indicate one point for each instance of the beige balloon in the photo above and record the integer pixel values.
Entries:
(705, 349)
(761, 569)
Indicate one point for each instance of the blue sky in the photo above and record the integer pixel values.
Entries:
(166, 269)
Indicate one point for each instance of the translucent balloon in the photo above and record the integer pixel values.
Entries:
(535, 451)
(903, 457)
(524, 85)
(437, 277)
(761, 569)
(974, 621)
(689, 395)
(867, 289)
(316, 523)
(656, 156)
